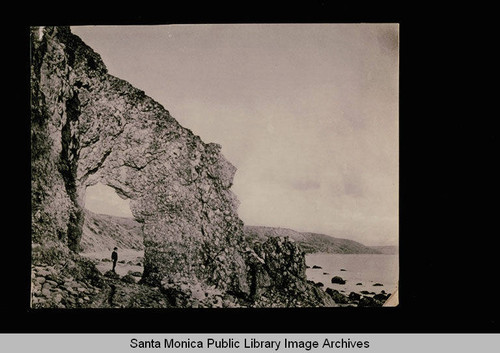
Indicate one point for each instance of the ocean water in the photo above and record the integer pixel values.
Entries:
(366, 269)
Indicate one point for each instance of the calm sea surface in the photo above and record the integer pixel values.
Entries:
(367, 269)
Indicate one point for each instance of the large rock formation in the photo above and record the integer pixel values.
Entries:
(90, 127)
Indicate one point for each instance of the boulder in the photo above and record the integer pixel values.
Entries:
(354, 296)
(128, 279)
(380, 297)
(112, 274)
(339, 298)
(338, 280)
(369, 301)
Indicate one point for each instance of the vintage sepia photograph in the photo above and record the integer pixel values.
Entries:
(215, 166)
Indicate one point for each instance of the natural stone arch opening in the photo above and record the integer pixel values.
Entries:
(103, 199)
(110, 223)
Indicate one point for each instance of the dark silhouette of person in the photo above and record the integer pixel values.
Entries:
(114, 257)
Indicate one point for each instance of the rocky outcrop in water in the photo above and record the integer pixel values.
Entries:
(90, 127)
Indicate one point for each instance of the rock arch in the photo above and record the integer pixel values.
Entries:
(89, 127)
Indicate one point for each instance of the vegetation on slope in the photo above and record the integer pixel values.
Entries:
(310, 242)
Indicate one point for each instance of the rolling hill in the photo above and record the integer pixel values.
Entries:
(103, 232)
(311, 242)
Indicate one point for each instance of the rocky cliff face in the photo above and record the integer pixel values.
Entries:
(89, 127)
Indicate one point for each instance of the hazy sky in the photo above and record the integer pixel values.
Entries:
(307, 113)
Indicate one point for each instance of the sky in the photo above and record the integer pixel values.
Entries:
(308, 114)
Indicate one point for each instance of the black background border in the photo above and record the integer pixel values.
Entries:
(432, 224)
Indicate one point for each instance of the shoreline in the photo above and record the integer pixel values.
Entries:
(355, 279)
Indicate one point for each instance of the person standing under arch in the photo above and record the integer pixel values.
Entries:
(114, 257)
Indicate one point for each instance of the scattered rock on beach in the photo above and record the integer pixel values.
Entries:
(354, 296)
(128, 279)
(112, 274)
(377, 284)
(316, 266)
(381, 297)
(338, 280)
(60, 288)
(369, 301)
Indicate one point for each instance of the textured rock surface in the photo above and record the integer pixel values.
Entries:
(89, 127)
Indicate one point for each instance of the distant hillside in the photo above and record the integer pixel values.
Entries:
(103, 232)
(387, 249)
(311, 242)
